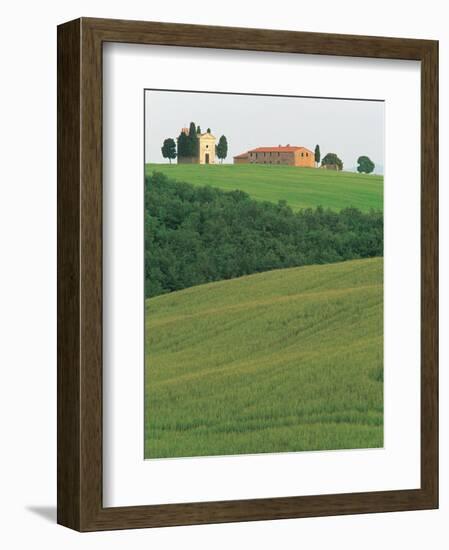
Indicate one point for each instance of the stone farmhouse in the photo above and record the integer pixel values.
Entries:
(288, 155)
(206, 149)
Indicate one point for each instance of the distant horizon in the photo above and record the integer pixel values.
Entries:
(350, 128)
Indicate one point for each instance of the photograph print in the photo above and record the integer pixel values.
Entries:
(263, 274)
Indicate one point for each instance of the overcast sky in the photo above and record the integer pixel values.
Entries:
(349, 128)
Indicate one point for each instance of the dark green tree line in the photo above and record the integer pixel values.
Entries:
(188, 143)
(195, 235)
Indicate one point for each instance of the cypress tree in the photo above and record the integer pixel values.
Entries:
(317, 154)
(193, 141)
(222, 148)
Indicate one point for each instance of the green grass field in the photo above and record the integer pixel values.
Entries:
(286, 360)
(300, 187)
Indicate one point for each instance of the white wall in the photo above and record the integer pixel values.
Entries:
(28, 274)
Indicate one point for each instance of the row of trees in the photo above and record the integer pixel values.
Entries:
(195, 235)
(364, 164)
(188, 145)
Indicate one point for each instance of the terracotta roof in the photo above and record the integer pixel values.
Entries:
(280, 149)
(241, 156)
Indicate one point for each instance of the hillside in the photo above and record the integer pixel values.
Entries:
(286, 360)
(300, 187)
(196, 235)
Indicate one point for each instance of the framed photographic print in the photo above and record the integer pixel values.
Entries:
(247, 274)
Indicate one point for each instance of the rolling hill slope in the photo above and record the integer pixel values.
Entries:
(300, 187)
(286, 360)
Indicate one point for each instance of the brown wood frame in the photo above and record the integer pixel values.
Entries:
(80, 274)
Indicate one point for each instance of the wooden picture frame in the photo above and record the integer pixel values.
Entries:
(80, 503)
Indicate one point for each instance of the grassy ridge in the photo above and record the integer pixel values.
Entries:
(300, 187)
(286, 360)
